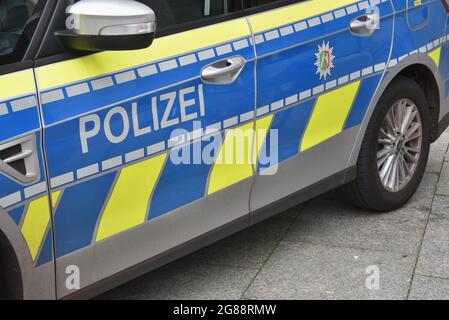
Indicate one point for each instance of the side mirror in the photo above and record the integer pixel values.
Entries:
(100, 25)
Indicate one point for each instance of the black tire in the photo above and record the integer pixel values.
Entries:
(367, 191)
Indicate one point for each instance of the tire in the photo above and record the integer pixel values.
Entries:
(368, 190)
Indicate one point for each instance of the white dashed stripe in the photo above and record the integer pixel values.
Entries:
(87, 171)
(10, 199)
(61, 180)
(135, 155)
(23, 103)
(102, 83)
(3, 109)
(155, 148)
(111, 163)
(78, 89)
(35, 190)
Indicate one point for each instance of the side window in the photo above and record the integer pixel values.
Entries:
(18, 20)
(179, 13)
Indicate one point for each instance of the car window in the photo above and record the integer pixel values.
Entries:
(18, 20)
(178, 13)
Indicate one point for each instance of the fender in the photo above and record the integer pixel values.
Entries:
(37, 282)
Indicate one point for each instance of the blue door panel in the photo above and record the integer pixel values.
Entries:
(185, 182)
(418, 13)
(78, 211)
(363, 101)
(287, 63)
(289, 126)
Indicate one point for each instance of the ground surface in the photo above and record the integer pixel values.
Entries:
(324, 249)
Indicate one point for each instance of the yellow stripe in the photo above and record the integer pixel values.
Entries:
(17, 84)
(36, 221)
(288, 14)
(235, 160)
(94, 65)
(329, 115)
(128, 204)
(436, 56)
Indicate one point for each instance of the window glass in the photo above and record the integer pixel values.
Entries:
(178, 13)
(18, 20)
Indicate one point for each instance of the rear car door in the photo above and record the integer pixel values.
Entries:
(318, 67)
(113, 122)
(25, 216)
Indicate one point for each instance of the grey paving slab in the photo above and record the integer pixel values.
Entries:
(423, 198)
(327, 220)
(186, 279)
(440, 207)
(429, 288)
(251, 247)
(443, 183)
(307, 271)
(437, 154)
(434, 255)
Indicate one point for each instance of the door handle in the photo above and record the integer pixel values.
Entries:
(18, 159)
(223, 71)
(365, 25)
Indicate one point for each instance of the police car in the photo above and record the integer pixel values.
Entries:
(117, 119)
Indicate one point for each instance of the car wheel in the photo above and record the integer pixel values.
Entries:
(394, 151)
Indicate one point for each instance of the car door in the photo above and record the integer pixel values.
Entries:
(318, 66)
(115, 124)
(25, 215)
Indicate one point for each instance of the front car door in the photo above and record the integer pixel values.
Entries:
(115, 124)
(316, 74)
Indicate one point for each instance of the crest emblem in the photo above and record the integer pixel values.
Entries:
(324, 60)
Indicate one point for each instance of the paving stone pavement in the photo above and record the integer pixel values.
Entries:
(323, 249)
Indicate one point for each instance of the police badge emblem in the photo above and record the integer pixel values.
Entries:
(324, 60)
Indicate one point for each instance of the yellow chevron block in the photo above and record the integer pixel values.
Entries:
(329, 115)
(128, 203)
(17, 84)
(288, 14)
(36, 222)
(436, 56)
(237, 157)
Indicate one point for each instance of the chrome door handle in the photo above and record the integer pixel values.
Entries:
(18, 159)
(365, 25)
(223, 71)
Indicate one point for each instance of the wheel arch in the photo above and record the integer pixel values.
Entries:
(10, 272)
(422, 75)
(415, 66)
(37, 282)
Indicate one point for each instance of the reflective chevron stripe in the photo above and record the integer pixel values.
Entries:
(233, 162)
(329, 115)
(36, 222)
(127, 206)
(436, 56)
